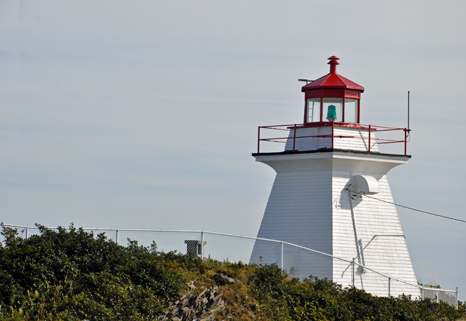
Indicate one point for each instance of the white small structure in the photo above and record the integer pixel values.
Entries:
(317, 200)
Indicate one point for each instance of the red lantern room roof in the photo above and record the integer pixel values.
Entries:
(332, 80)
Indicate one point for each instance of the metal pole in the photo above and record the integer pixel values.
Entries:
(27, 232)
(258, 139)
(456, 301)
(389, 288)
(370, 134)
(281, 258)
(333, 133)
(353, 272)
(354, 227)
(294, 137)
(408, 109)
(117, 236)
(202, 245)
(406, 141)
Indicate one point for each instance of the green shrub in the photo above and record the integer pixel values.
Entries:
(70, 274)
(321, 299)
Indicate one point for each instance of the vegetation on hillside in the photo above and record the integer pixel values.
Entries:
(70, 274)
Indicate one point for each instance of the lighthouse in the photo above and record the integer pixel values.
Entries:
(331, 194)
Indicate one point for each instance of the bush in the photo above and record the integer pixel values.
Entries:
(321, 299)
(72, 274)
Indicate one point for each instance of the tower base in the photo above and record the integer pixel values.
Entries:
(315, 204)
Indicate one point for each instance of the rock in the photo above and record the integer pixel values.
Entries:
(222, 279)
(203, 307)
(191, 286)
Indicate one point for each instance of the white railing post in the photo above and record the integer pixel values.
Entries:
(456, 301)
(117, 232)
(202, 245)
(27, 232)
(353, 272)
(281, 257)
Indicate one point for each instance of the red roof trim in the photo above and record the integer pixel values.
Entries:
(332, 80)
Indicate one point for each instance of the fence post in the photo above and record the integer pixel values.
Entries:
(281, 257)
(389, 287)
(353, 272)
(202, 245)
(27, 232)
(456, 301)
(117, 236)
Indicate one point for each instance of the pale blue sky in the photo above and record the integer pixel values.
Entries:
(144, 114)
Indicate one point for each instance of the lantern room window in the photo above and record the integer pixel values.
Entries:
(351, 110)
(332, 109)
(313, 114)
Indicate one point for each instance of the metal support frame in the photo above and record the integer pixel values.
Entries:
(358, 248)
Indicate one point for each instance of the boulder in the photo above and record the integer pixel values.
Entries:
(222, 279)
(203, 307)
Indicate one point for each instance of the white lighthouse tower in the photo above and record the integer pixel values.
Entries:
(329, 167)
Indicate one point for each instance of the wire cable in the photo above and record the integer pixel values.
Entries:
(414, 209)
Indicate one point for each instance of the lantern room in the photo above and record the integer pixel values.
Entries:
(332, 98)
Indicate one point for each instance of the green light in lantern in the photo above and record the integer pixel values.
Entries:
(331, 113)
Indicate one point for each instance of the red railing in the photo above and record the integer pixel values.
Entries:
(368, 128)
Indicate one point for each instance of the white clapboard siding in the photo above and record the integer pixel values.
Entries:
(297, 205)
(309, 138)
(309, 205)
(379, 229)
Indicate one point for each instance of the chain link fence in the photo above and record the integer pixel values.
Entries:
(297, 261)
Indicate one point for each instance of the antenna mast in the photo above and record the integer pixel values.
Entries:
(408, 113)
